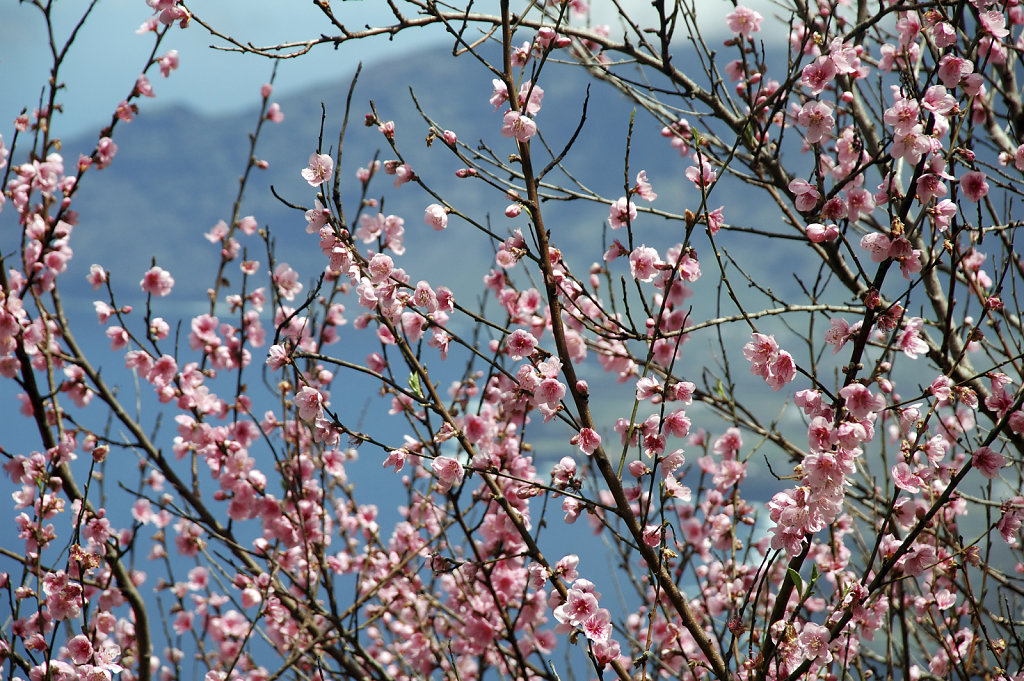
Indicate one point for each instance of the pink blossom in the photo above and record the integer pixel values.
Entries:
(321, 166)
(729, 443)
(316, 217)
(143, 87)
(818, 75)
(858, 202)
(941, 388)
(767, 360)
(274, 113)
(638, 468)
(817, 118)
(743, 21)
(168, 63)
(643, 187)
(550, 392)
(781, 371)
(118, 338)
(80, 649)
(877, 245)
(952, 69)
(182, 622)
(644, 263)
(1010, 522)
(396, 458)
(988, 462)
(677, 424)
(125, 111)
(903, 115)
(436, 216)
(159, 328)
(248, 225)
(806, 195)
(819, 233)
(845, 56)
(943, 213)
(910, 146)
(930, 186)
(974, 186)
(905, 479)
(500, 94)
(716, 220)
(449, 472)
(652, 535)
(218, 232)
(860, 401)
(287, 281)
(814, 640)
(622, 212)
(516, 125)
(536, 94)
(578, 607)
(606, 652)
(105, 150)
(380, 268)
(97, 276)
(834, 209)
(520, 344)
(909, 339)
(277, 357)
(994, 23)
(588, 440)
(157, 282)
(403, 173)
(943, 34)
(938, 101)
(647, 387)
(309, 402)
(702, 178)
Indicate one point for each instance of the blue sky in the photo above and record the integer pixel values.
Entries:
(108, 55)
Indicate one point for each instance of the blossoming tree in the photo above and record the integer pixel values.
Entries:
(884, 417)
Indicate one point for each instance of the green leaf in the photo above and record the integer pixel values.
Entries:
(414, 385)
(797, 580)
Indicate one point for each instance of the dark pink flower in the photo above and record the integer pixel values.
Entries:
(988, 462)
(974, 186)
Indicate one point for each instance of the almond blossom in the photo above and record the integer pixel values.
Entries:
(321, 166)
(519, 126)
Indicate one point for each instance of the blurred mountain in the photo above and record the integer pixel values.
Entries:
(176, 173)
